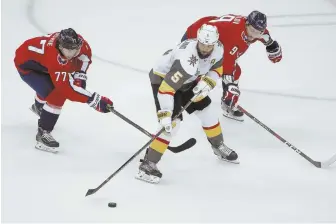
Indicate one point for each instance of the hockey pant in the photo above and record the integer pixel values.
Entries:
(202, 109)
(47, 96)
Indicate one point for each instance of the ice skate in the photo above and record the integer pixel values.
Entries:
(148, 172)
(45, 141)
(225, 153)
(234, 114)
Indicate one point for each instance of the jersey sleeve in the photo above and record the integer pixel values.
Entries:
(266, 38)
(31, 50)
(218, 67)
(84, 58)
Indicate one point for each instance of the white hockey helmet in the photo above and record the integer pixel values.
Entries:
(208, 34)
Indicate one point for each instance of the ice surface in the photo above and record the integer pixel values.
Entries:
(272, 183)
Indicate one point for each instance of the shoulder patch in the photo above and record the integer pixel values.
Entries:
(193, 60)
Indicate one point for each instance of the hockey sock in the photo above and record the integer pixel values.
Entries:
(49, 117)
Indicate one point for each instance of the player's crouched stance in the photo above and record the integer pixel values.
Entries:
(55, 67)
(189, 71)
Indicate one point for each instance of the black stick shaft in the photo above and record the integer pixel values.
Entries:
(315, 163)
(177, 149)
(92, 191)
(131, 123)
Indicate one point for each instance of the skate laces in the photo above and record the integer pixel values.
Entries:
(226, 150)
(48, 136)
(150, 165)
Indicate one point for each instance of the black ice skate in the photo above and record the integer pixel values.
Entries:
(45, 141)
(36, 110)
(230, 113)
(225, 153)
(149, 172)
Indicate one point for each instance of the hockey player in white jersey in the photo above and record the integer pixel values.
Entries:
(192, 68)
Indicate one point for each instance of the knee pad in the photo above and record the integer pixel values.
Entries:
(208, 116)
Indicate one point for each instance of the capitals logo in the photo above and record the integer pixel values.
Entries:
(61, 60)
(244, 37)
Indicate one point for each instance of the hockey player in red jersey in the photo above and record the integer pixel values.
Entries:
(55, 67)
(237, 33)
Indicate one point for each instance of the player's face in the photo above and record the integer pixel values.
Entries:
(253, 33)
(70, 53)
(204, 49)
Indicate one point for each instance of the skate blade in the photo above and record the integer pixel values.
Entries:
(228, 115)
(230, 161)
(141, 175)
(42, 147)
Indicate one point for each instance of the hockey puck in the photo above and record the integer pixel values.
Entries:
(112, 204)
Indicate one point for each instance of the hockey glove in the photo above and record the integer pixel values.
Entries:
(274, 52)
(100, 103)
(203, 88)
(79, 79)
(231, 96)
(165, 119)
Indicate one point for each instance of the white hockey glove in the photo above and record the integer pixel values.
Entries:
(165, 119)
(203, 88)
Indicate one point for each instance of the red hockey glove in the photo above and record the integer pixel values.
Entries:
(100, 103)
(274, 52)
(79, 79)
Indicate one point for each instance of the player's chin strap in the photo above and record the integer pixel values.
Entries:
(177, 149)
(94, 190)
(318, 164)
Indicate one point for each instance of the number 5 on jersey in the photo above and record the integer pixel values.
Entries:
(176, 77)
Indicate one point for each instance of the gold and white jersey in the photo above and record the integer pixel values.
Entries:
(182, 65)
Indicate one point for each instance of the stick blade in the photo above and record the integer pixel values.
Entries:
(328, 162)
(186, 145)
(90, 191)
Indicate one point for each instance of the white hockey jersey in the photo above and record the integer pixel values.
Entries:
(181, 66)
(190, 62)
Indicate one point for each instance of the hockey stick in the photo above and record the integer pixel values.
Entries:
(92, 191)
(186, 145)
(315, 163)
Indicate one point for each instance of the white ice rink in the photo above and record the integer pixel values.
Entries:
(296, 98)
